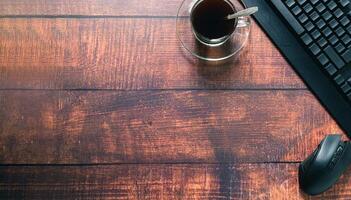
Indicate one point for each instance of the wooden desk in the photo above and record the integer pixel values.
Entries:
(98, 100)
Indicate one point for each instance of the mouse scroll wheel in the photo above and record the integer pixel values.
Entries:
(339, 150)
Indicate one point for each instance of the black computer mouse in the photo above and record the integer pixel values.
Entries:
(325, 165)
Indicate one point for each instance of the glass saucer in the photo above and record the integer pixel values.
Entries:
(209, 52)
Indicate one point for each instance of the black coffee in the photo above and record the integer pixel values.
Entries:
(208, 18)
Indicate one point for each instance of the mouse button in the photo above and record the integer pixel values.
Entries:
(327, 150)
(309, 160)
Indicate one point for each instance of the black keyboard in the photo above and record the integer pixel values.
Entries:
(315, 37)
(324, 27)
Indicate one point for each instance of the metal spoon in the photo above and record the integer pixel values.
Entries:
(242, 13)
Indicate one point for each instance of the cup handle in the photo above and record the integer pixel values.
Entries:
(243, 22)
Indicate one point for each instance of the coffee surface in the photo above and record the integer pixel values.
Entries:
(208, 18)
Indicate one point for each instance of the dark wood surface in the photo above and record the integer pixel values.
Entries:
(161, 181)
(99, 101)
(127, 54)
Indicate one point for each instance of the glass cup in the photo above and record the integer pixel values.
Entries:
(207, 48)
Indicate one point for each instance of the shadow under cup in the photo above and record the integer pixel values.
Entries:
(209, 23)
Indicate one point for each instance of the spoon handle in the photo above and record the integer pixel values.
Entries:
(245, 12)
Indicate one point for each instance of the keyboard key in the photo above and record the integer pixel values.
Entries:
(323, 59)
(320, 23)
(340, 31)
(333, 40)
(309, 26)
(348, 29)
(307, 8)
(333, 23)
(344, 21)
(349, 96)
(338, 13)
(301, 1)
(327, 16)
(290, 3)
(314, 16)
(347, 55)
(339, 79)
(303, 18)
(320, 7)
(344, 3)
(314, 1)
(306, 39)
(346, 39)
(346, 87)
(340, 47)
(327, 32)
(322, 42)
(334, 57)
(296, 10)
(331, 5)
(331, 69)
(288, 16)
(315, 34)
(315, 49)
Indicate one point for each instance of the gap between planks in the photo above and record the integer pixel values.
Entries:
(154, 163)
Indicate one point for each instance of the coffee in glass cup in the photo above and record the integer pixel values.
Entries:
(209, 23)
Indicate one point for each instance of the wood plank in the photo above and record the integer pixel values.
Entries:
(89, 7)
(198, 181)
(127, 54)
(159, 127)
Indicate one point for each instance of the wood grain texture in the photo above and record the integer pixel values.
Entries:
(127, 54)
(175, 138)
(159, 127)
(89, 7)
(240, 181)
